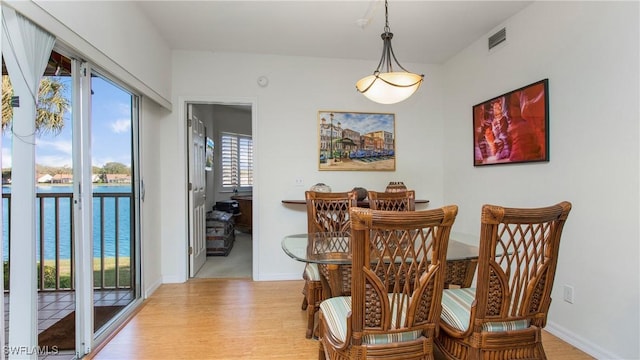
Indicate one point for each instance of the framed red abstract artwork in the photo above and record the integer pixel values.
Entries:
(513, 127)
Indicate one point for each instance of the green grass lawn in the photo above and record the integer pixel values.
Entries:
(65, 273)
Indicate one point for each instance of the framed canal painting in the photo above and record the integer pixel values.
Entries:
(513, 127)
(356, 141)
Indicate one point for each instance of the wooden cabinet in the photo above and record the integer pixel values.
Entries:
(244, 220)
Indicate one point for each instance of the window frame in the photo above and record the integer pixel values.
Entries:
(239, 185)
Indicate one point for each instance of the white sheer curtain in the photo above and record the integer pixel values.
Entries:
(29, 46)
(26, 49)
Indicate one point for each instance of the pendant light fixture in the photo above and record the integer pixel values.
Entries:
(388, 85)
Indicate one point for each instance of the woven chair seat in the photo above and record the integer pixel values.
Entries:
(335, 311)
(311, 272)
(456, 311)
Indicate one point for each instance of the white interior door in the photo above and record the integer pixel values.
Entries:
(197, 193)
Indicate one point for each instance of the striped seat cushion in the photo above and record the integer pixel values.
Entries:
(311, 272)
(335, 311)
(456, 310)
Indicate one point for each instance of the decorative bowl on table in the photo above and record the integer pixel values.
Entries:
(361, 193)
(320, 187)
(396, 186)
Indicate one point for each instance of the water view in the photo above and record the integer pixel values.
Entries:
(115, 223)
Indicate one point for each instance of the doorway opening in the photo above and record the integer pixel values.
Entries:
(221, 183)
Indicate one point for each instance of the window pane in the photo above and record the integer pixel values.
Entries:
(236, 160)
(246, 162)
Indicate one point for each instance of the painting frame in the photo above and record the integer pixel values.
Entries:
(356, 141)
(208, 154)
(512, 128)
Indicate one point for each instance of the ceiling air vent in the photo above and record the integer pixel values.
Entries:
(497, 38)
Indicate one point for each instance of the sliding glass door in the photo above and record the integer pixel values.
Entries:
(87, 208)
(108, 246)
(113, 121)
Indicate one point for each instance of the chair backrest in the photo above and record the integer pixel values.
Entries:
(517, 263)
(398, 269)
(392, 201)
(329, 211)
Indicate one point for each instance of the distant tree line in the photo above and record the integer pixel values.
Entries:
(108, 168)
(113, 168)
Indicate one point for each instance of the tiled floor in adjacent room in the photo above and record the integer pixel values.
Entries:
(53, 306)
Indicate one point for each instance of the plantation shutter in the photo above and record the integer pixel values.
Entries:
(236, 160)
(246, 161)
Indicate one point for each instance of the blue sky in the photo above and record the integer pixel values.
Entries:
(110, 129)
(361, 122)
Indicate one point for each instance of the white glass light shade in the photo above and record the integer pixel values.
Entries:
(390, 87)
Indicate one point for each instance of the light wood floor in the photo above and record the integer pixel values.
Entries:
(233, 319)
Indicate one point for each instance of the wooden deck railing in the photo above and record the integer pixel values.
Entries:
(56, 271)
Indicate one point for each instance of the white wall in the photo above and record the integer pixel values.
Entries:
(285, 142)
(589, 52)
(151, 170)
(115, 35)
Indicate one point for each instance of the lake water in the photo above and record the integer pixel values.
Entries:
(64, 216)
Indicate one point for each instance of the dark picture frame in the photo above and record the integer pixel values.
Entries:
(208, 155)
(356, 141)
(513, 127)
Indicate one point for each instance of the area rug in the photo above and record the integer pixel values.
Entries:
(63, 333)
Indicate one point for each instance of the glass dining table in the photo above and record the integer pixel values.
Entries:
(332, 252)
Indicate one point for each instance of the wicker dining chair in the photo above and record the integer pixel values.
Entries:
(396, 286)
(502, 318)
(392, 201)
(326, 212)
(459, 273)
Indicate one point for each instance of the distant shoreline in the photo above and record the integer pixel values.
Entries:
(109, 263)
(71, 184)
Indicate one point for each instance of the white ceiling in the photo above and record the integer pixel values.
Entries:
(424, 31)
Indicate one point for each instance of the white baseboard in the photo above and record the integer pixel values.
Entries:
(279, 277)
(579, 342)
(152, 288)
(173, 279)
